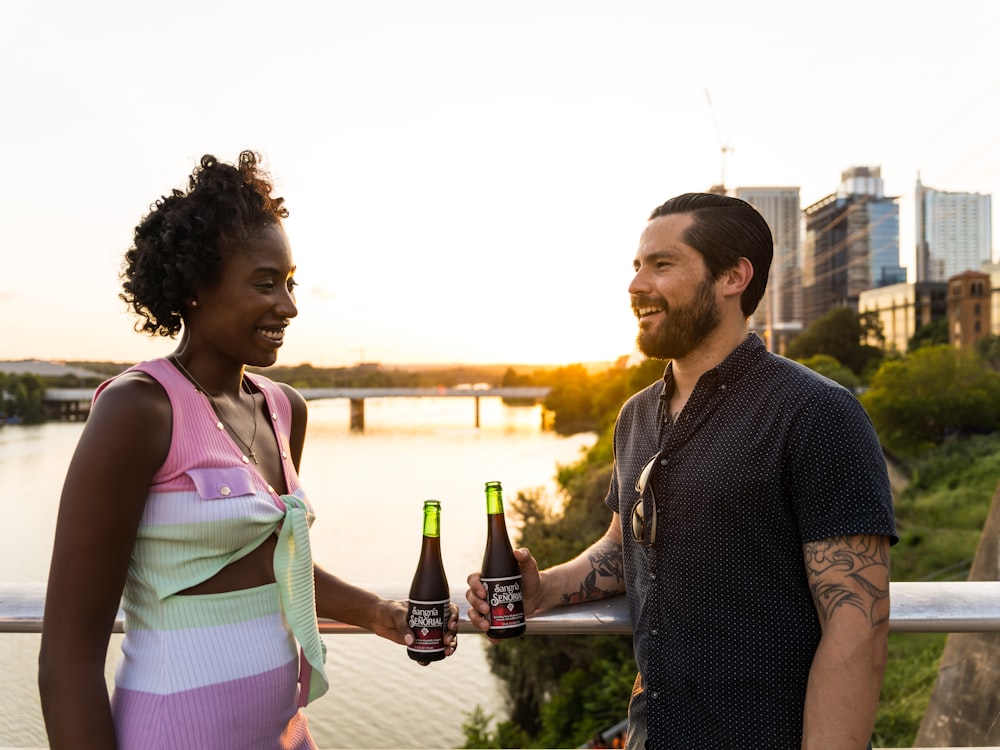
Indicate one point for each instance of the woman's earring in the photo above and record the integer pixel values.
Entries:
(194, 303)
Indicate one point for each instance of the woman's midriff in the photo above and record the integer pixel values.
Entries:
(255, 569)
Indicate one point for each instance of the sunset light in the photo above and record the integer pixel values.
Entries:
(467, 181)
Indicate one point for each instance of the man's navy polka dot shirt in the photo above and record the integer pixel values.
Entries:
(765, 457)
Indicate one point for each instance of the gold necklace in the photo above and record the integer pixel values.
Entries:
(221, 424)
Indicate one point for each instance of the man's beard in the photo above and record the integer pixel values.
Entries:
(682, 328)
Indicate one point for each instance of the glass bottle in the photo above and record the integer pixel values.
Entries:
(430, 596)
(500, 574)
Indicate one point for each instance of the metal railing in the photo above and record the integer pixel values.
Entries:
(920, 607)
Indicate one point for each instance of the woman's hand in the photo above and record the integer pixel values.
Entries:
(390, 623)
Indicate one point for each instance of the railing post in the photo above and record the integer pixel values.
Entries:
(357, 415)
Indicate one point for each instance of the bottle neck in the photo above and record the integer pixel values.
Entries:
(494, 499)
(432, 520)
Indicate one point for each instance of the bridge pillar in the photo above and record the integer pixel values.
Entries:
(357, 415)
(477, 411)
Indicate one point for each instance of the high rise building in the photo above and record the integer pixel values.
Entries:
(780, 311)
(851, 244)
(954, 232)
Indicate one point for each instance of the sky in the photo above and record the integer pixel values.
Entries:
(467, 180)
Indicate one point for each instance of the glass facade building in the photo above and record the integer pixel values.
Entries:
(851, 244)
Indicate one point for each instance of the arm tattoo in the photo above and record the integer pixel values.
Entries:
(851, 571)
(606, 562)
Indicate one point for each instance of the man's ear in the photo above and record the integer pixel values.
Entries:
(737, 278)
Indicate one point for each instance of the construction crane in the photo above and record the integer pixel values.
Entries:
(724, 147)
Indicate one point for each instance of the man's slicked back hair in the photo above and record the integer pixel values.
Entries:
(725, 229)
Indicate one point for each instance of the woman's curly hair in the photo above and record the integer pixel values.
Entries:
(176, 249)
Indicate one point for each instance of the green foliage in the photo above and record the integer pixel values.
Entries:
(587, 700)
(988, 349)
(476, 729)
(930, 334)
(616, 386)
(21, 398)
(556, 537)
(972, 462)
(570, 399)
(583, 401)
(932, 394)
(940, 515)
(839, 334)
(829, 367)
(478, 735)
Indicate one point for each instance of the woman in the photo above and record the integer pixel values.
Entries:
(183, 503)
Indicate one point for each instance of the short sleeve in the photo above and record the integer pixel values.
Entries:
(838, 475)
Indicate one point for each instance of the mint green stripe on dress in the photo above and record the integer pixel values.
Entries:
(293, 570)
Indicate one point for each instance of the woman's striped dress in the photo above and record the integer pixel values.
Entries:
(217, 671)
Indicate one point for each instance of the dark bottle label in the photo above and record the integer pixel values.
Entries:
(506, 602)
(427, 620)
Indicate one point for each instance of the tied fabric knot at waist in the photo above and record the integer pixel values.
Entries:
(293, 571)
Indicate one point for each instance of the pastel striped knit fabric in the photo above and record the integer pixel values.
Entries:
(217, 671)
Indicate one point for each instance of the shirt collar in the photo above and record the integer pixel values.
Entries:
(740, 360)
(729, 370)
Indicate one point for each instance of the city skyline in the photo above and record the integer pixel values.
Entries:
(467, 181)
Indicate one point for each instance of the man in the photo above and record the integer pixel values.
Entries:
(752, 514)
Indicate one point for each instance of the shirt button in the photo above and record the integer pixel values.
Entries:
(245, 460)
(274, 417)
(663, 462)
(225, 491)
(652, 576)
(270, 489)
(284, 455)
(220, 425)
(654, 695)
(654, 632)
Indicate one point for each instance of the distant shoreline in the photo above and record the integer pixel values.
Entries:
(91, 368)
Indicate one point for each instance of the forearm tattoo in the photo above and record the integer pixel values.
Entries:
(849, 571)
(605, 559)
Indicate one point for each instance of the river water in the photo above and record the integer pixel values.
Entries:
(368, 490)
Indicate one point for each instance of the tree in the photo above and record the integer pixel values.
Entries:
(932, 394)
(839, 334)
(22, 396)
(871, 328)
(934, 333)
(827, 366)
(988, 349)
(570, 399)
(617, 385)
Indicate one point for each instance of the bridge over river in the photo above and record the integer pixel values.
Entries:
(74, 403)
